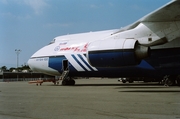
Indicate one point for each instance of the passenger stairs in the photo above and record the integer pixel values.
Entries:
(64, 74)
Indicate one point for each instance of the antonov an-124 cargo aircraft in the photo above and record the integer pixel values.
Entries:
(150, 47)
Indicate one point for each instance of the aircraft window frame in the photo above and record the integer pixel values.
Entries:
(53, 41)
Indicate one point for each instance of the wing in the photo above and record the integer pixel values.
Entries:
(167, 13)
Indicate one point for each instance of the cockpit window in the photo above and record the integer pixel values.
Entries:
(53, 41)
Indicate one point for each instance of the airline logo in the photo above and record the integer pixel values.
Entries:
(57, 48)
(79, 62)
(76, 48)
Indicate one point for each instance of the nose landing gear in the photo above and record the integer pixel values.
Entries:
(68, 81)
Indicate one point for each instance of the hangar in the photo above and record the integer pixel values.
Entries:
(23, 76)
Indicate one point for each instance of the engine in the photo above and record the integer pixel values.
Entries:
(116, 53)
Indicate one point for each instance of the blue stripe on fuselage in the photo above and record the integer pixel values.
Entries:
(56, 63)
(145, 65)
(79, 62)
(161, 62)
(85, 62)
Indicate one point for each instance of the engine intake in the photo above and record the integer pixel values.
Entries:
(116, 53)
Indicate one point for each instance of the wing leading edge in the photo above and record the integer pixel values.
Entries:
(167, 13)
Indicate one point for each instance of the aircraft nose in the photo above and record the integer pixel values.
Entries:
(34, 65)
(31, 64)
(39, 61)
(33, 61)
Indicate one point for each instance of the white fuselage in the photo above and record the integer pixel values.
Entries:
(65, 46)
(126, 47)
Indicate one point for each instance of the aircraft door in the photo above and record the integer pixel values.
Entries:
(65, 65)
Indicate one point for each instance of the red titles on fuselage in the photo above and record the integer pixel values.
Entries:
(75, 49)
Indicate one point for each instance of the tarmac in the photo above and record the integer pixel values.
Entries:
(89, 99)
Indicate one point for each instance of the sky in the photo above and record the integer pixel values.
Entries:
(28, 25)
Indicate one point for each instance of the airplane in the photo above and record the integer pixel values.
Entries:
(149, 47)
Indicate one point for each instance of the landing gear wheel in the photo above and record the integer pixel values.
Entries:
(70, 82)
(178, 80)
(169, 80)
(131, 81)
(124, 81)
(64, 82)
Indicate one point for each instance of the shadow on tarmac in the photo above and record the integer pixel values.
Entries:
(110, 84)
(152, 91)
(128, 85)
(134, 87)
(79, 85)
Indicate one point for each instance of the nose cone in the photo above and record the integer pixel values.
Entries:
(31, 62)
(41, 65)
(39, 61)
(38, 64)
(35, 62)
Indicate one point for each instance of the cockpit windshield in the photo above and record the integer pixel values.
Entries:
(53, 41)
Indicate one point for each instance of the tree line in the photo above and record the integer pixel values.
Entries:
(23, 67)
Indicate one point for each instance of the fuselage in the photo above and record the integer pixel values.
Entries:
(163, 59)
(149, 47)
(49, 58)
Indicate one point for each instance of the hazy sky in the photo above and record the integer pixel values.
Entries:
(28, 25)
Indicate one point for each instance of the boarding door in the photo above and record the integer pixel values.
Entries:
(65, 65)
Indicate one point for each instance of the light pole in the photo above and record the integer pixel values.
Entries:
(17, 53)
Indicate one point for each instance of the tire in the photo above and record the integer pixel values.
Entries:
(131, 81)
(71, 82)
(170, 81)
(64, 82)
(124, 81)
(178, 80)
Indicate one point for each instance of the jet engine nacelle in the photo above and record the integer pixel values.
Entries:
(116, 53)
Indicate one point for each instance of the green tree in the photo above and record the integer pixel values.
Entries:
(4, 68)
(25, 67)
(11, 69)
